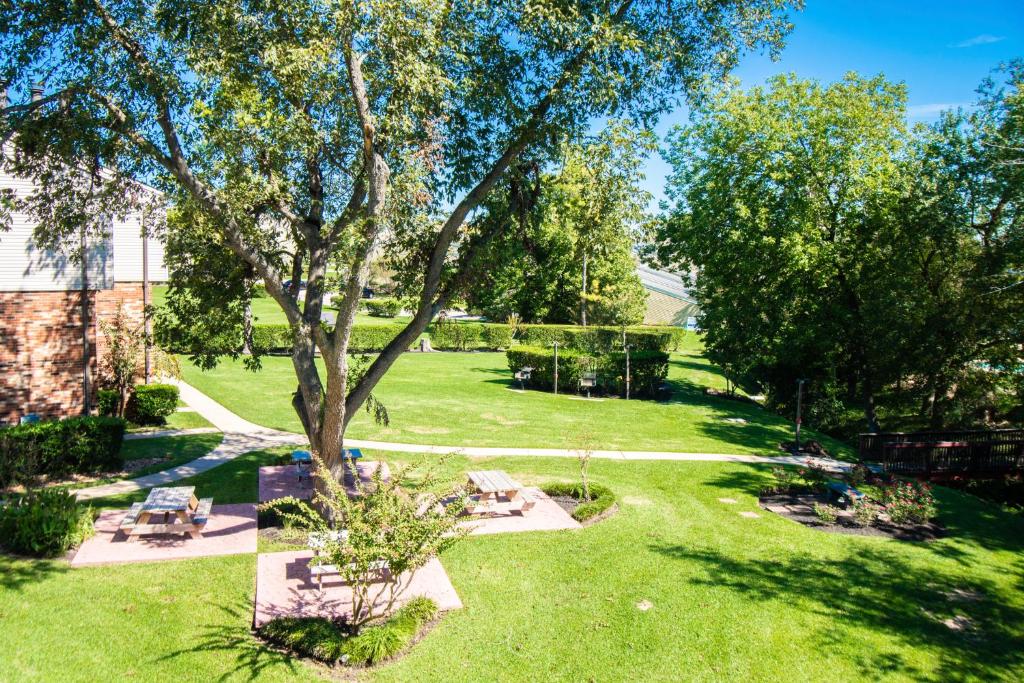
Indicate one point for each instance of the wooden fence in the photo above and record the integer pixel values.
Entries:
(943, 454)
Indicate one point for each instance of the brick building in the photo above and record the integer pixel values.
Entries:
(51, 308)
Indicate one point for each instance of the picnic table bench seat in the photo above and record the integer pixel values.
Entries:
(319, 571)
(132, 517)
(202, 514)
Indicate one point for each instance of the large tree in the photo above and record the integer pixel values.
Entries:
(308, 132)
(831, 243)
(565, 250)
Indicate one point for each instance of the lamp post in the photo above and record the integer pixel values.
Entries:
(627, 347)
(555, 344)
(799, 404)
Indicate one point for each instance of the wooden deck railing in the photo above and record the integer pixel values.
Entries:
(935, 454)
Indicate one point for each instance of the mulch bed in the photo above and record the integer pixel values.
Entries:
(569, 504)
(800, 508)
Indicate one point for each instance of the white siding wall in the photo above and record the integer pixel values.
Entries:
(127, 244)
(25, 268)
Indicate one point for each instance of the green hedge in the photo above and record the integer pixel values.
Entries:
(363, 339)
(107, 400)
(455, 336)
(152, 404)
(497, 336)
(44, 523)
(384, 307)
(601, 498)
(596, 339)
(648, 370)
(60, 448)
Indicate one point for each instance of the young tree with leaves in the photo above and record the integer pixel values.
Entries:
(339, 125)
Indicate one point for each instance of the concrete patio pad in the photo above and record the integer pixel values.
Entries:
(230, 531)
(546, 515)
(281, 481)
(285, 589)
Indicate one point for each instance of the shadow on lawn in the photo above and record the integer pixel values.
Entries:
(251, 656)
(967, 623)
(16, 572)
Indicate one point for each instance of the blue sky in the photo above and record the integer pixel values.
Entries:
(941, 49)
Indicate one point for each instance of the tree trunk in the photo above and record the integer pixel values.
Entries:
(583, 292)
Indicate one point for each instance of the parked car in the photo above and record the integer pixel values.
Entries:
(288, 284)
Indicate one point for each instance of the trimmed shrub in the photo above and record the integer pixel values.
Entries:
(151, 404)
(601, 498)
(60, 448)
(455, 336)
(384, 307)
(596, 340)
(270, 337)
(543, 363)
(314, 637)
(106, 401)
(363, 339)
(497, 336)
(372, 338)
(648, 369)
(44, 522)
(325, 640)
(647, 373)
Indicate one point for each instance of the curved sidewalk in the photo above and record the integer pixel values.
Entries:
(242, 436)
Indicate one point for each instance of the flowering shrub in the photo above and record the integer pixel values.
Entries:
(859, 474)
(826, 513)
(783, 481)
(909, 502)
(814, 475)
(865, 512)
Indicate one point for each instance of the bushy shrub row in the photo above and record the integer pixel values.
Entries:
(325, 641)
(152, 403)
(595, 339)
(455, 336)
(44, 522)
(60, 448)
(601, 498)
(364, 338)
(383, 307)
(647, 369)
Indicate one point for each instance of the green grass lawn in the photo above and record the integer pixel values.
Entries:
(731, 598)
(469, 399)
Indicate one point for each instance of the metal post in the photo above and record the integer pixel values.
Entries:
(145, 295)
(627, 371)
(799, 402)
(86, 352)
(555, 344)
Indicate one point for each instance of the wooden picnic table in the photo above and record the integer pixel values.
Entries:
(179, 508)
(497, 492)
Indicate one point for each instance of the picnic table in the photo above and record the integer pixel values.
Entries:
(497, 492)
(177, 509)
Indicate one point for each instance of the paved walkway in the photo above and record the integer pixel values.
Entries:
(242, 436)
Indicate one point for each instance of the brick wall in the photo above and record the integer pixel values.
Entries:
(41, 367)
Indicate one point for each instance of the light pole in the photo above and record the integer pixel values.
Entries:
(799, 401)
(627, 346)
(555, 344)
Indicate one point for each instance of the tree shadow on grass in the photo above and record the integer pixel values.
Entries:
(968, 623)
(16, 572)
(251, 656)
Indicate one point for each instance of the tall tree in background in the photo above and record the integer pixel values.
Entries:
(783, 203)
(831, 243)
(568, 246)
(338, 125)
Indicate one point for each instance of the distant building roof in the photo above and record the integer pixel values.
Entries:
(664, 282)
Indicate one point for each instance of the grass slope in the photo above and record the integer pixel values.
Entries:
(468, 399)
